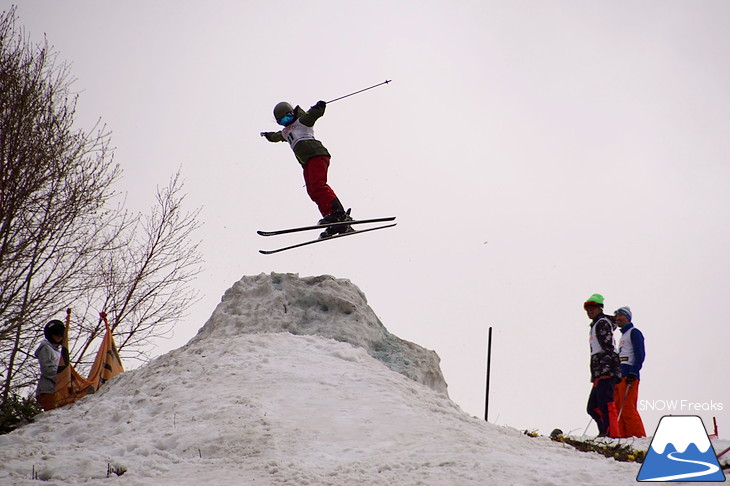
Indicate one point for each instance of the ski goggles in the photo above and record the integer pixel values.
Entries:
(590, 305)
(286, 119)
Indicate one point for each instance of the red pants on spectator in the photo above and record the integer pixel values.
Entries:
(315, 176)
(626, 397)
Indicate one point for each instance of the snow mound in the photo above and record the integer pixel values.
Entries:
(323, 306)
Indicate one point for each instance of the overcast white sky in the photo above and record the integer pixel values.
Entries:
(534, 152)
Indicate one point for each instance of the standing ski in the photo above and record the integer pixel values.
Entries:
(327, 238)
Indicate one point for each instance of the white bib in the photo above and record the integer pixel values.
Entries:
(626, 348)
(296, 132)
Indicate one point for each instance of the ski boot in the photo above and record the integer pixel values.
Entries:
(337, 215)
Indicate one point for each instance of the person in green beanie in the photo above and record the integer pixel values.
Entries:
(605, 370)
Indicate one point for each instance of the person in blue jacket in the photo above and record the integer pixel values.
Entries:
(631, 354)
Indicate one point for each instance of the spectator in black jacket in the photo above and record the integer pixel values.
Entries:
(605, 370)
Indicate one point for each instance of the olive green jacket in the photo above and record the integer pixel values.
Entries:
(308, 148)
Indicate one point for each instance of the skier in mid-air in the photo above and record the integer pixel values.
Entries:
(315, 160)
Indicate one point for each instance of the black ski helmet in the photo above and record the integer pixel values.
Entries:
(282, 109)
(54, 328)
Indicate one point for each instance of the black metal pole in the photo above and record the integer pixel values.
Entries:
(489, 368)
(360, 91)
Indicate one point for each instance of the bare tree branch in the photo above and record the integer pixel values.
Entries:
(63, 241)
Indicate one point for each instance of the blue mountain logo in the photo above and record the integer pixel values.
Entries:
(681, 451)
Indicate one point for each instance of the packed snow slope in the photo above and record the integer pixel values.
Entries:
(292, 381)
(322, 306)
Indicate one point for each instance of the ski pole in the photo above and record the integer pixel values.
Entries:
(360, 91)
(628, 387)
(586, 429)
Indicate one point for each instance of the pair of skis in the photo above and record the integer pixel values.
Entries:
(322, 227)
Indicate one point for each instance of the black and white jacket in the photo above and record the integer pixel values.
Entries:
(604, 358)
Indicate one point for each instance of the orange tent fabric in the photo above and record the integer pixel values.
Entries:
(70, 386)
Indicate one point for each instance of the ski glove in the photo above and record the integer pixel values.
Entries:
(320, 105)
(269, 136)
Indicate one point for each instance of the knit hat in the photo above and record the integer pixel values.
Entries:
(624, 311)
(595, 299)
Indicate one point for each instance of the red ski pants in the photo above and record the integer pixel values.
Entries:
(315, 177)
(626, 396)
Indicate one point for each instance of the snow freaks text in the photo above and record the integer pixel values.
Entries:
(683, 406)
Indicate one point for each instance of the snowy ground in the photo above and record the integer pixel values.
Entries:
(263, 407)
